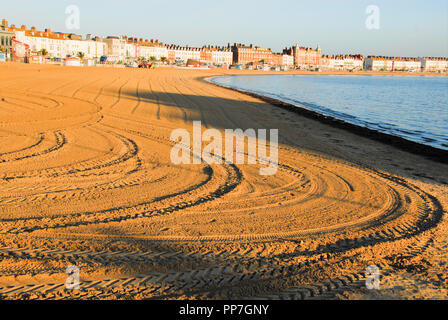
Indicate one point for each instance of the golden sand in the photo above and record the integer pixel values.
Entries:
(86, 180)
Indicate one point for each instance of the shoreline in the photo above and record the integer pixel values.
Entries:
(429, 152)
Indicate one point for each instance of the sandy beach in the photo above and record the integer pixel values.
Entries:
(86, 180)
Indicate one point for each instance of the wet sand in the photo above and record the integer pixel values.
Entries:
(86, 180)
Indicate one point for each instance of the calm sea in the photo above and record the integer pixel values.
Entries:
(412, 107)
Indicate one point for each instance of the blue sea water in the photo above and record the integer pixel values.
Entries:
(412, 107)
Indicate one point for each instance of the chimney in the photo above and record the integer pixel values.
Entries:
(48, 30)
(33, 28)
(4, 22)
(23, 27)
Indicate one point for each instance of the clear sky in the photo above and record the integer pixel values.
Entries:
(407, 27)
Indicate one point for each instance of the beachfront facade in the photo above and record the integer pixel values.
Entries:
(147, 49)
(434, 64)
(91, 49)
(6, 39)
(243, 54)
(342, 62)
(6, 42)
(151, 50)
(216, 55)
(279, 59)
(57, 45)
(117, 47)
(407, 64)
(372, 63)
(20, 51)
(183, 54)
(288, 60)
(376, 63)
(305, 58)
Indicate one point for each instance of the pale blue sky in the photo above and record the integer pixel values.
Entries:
(407, 27)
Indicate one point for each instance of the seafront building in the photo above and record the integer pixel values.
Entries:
(305, 58)
(179, 54)
(6, 37)
(342, 62)
(55, 44)
(150, 49)
(216, 55)
(379, 63)
(117, 47)
(279, 59)
(407, 64)
(243, 54)
(374, 63)
(124, 48)
(434, 64)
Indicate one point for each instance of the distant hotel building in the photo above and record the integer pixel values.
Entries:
(305, 58)
(376, 63)
(118, 47)
(342, 62)
(243, 54)
(133, 48)
(434, 64)
(282, 60)
(147, 48)
(183, 54)
(216, 55)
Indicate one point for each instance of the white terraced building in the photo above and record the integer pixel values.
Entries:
(176, 53)
(118, 46)
(434, 64)
(413, 65)
(131, 48)
(343, 62)
(224, 57)
(59, 45)
(392, 64)
(148, 50)
(152, 51)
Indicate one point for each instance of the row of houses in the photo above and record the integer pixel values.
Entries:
(426, 64)
(56, 44)
(306, 58)
(18, 42)
(21, 41)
